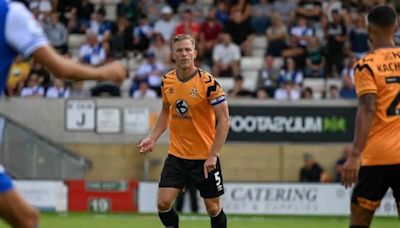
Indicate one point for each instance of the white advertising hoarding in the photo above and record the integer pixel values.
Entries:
(108, 120)
(44, 195)
(136, 120)
(80, 115)
(276, 199)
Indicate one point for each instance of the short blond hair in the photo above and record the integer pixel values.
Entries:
(181, 37)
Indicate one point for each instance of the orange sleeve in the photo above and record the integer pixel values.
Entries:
(215, 93)
(364, 80)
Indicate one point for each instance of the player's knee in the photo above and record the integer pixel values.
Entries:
(213, 210)
(164, 205)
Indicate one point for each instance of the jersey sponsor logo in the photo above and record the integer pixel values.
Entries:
(182, 108)
(393, 66)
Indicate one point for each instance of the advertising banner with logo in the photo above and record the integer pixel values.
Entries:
(277, 199)
(292, 124)
(44, 195)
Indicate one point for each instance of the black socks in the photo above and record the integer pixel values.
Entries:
(169, 218)
(219, 221)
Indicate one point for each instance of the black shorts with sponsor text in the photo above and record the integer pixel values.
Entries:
(179, 172)
(373, 183)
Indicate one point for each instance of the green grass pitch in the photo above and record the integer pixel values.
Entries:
(87, 220)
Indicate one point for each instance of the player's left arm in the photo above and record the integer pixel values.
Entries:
(222, 128)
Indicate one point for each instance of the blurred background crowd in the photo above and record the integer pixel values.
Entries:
(261, 49)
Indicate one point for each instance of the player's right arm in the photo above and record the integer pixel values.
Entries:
(147, 145)
(25, 35)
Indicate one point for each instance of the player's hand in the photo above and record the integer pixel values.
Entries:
(114, 71)
(350, 170)
(210, 165)
(146, 145)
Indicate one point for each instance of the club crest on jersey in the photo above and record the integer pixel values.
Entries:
(181, 107)
(193, 92)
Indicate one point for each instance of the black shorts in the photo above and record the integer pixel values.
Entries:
(373, 183)
(179, 172)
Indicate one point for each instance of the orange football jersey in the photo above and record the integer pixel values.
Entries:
(191, 114)
(379, 73)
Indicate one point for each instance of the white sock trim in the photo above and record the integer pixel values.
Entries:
(165, 211)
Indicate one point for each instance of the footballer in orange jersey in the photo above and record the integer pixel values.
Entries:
(196, 111)
(374, 162)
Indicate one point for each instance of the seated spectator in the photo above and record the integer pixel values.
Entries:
(100, 26)
(57, 34)
(144, 92)
(106, 89)
(165, 25)
(276, 36)
(297, 53)
(79, 15)
(194, 7)
(261, 17)
(222, 13)
(267, 79)
(311, 171)
(77, 90)
(121, 40)
(244, 7)
(59, 90)
(161, 50)
(333, 92)
(348, 70)
(188, 26)
(302, 32)
(17, 75)
(315, 59)
(151, 71)
(290, 73)
(348, 90)
(42, 73)
(340, 162)
(92, 52)
(209, 34)
(238, 91)
(226, 56)
(358, 38)
(307, 93)
(241, 32)
(142, 35)
(128, 9)
(33, 88)
(287, 91)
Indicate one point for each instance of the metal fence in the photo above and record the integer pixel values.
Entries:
(26, 154)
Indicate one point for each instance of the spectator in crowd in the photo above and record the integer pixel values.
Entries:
(43, 7)
(276, 36)
(329, 6)
(161, 49)
(289, 72)
(142, 35)
(348, 90)
(307, 93)
(188, 25)
(121, 39)
(340, 162)
(222, 13)
(83, 13)
(17, 75)
(150, 71)
(296, 52)
(106, 89)
(209, 34)
(33, 88)
(77, 90)
(287, 91)
(238, 91)
(194, 7)
(315, 59)
(92, 52)
(267, 79)
(358, 38)
(336, 38)
(348, 71)
(144, 92)
(59, 90)
(100, 26)
(57, 34)
(166, 25)
(226, 56)
(286, 9)
(310, 9)
(240, 31)
(128, 9)
(311, 171)
(333, 92)
(261, 16)
(244, 7)
(302, 33)
(42, 73)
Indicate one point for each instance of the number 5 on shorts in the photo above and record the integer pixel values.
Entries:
(218, 181)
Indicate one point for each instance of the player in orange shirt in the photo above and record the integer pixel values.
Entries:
(196, 111)
(376, 145)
